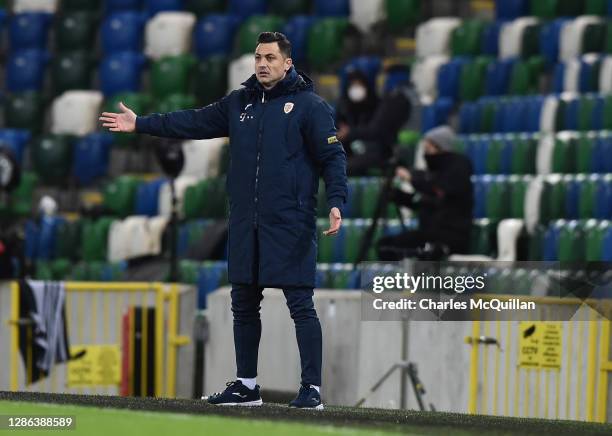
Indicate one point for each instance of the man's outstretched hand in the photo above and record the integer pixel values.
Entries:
(123, 122)
(335, 221)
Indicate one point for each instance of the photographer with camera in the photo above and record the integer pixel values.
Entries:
(443, 199)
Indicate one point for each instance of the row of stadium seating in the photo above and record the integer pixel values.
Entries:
(511, 9)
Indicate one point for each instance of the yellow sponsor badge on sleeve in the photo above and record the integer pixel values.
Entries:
(332, 139)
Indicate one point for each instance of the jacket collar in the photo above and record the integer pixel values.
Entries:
(294, 81)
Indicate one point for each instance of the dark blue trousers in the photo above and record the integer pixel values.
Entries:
(246, 301)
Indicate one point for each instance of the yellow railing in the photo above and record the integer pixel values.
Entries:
(85, 316)
(574, 387)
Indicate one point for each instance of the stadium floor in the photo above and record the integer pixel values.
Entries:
(278, 419)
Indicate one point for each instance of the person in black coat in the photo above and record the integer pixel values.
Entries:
(282, 140)
(443, 199)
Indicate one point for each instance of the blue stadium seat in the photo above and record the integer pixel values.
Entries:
(511, 9)
(122, 31)
(603, 199)
(533, 112)
(607, 246)
(147, 197)
(477, 150)
(468, 117)
(571, 114)
(498, 77)
(16, 140)
(448, 78)
(32, 235)
(41, 237)
(369, 65)
(602, 155)
(25, 70)
(154, 6)
(113, 6)
(436, 114)
(506, 154)
(91, 155)
(480, 196)
(121, 72)
(559, 77)
(214, 35)
(489, 37)
(246, 8)
(296, 29)
(550, 251)
(588, 71)
(572, 198)
(332, 8)
(29, 30)
(210, 279)
(549, 39)
(597, 115)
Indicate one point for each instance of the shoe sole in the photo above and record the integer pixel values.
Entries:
(244, 404)
(319, 407)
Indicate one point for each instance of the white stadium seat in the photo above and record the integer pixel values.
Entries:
(76, 112)
(366, 13)
(425, 77)
(508, 232)
(239, 71)
(511, 36)
(572, 36)
(433, 36)
(169, 34)
(135, 236)
(165, 199)
(605, 75)
(202, 157)
(34, 6)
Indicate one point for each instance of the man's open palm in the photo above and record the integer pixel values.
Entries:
(123, 122)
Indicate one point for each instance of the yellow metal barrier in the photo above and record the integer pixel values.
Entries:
(569, 360)
(90, 321)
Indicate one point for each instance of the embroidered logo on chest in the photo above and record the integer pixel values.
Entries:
(288, 107)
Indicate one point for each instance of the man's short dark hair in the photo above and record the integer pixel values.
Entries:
(284, 45)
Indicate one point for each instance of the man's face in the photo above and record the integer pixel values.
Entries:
(270, 65)
(431, 148)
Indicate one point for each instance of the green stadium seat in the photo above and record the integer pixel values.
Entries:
(472, 78)
(465, 40)
(71, 70)
(482, 237)
(584, 153)
(564, 155)
(524, 155)
(353, 232)
(401, 14)
(607, 116)
(535, 244)
(252, 27)
(75, 31)
(596, 7)
(189, 271)
(57, 269)
(211, 79)
(322, 211)
(407, 144)
(120, 194)
(586, 105)
(139, 103)
(498, 200)
(525, 76)
(51, 157)
(288, 8)
(195, 197)
(552, 203)
(205, 7)
(586, 201)
(81, 5)
(69, 239)
(493, 163)
(369, 199)
(24, 111)
(20, 202)
(325, 42)
(172, 75)
(176, 102)
(518, 187)
(94, 239)
(594, 239)
(594, 40)
(572, 242)
(608, 40)
(547, 9)
(487, 117)
(217, 205)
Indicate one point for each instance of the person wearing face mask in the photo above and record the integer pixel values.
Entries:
(379, 131)
(442, 198)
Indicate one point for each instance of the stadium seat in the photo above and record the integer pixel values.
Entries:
(482, 236)
(332, 8)
(289, 8)
(48, 6)
(550, 34)
(181, 184)
(325, 41)
(364, 14)
(135, 236)
(202, 157)
(94, 239)
(582, 35)
(172, 75)
(465, 39)
(169, 34)
(519, 38)
(210, 82)
(605, 75)
(69, 239)
(154, 7)
(602, 207)
(547, 9)
(15, 140)
(25, 70)
(594, 232)
(176, 102)
(252, 27)
(433, 37)
(511, 9)
(91, 157)
(552, 200)
(425, 76)
(75, 31)
(239, 70)
(489, 39)
(525, 76)
(205, 7)
(81, 5)
(214, 35)
(121, 72)
(607, 245)
(518, 189)
(29, 30)
(120, 195)
(572, 242)
(76, 112)
(147, 197)
(497, 78)
(296, 29)
(20, 202)
(71, 71)
(448, 78)
(116, 6)
(51, 157)
(564, 152)
(122, 31)
(212, 276)
(401, 14)
(472, 78)
(246, 8)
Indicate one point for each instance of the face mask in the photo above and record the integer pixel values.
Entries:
(357, 93)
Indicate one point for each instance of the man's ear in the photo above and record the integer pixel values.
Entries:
(288, 64)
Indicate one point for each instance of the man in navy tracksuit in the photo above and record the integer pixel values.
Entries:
(282, 138)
